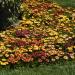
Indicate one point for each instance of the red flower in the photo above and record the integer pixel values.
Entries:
(20, 43)
(13, 59)
(25, 32)
(39, 54)
(22, 33)
(26, 58)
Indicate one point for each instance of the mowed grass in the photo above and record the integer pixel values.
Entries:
(65, 3)
(66, 68)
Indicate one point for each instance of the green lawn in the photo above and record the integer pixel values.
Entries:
(70, 3)
(66, 68)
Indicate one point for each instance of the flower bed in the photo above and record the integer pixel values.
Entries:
(45, 34)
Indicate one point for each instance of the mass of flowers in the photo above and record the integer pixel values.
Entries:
(45, 34)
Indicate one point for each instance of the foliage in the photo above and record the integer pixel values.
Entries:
(9, 11)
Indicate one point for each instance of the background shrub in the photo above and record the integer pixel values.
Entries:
(9, 12)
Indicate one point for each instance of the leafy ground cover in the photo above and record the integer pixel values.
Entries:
(45, 35)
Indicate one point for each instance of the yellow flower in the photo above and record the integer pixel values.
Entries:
(55, 33)
(64, 36)
(65, 57)
(45, 40)
(2, 47)
(2, 35)
(60, 40)
(30, 51)
(63, 18)
(8, 50)
(36, 47)
(3, 32)
(51, 34)
(52, 59)
(23, 6)
(62, 24)
(6, 55)
(56, 57)
(74, 46)
(22, 28)
(1, 44)
(25, 50)
(28, 22)
(24, 18)
(56, 37)
(3, 63)
(3, 59)
(70, 49)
